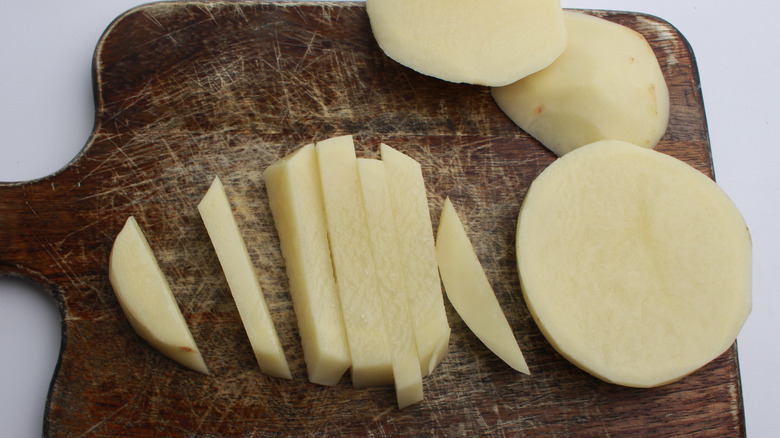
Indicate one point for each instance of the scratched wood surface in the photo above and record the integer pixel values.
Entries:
(186, 91)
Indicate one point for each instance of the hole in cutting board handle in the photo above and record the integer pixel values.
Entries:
(30, 344)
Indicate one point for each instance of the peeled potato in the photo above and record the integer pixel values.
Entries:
(635, 266)
(607, 84)
(477, 42)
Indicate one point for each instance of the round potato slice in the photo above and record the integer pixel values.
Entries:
(635, 266)
(491, 43)
(607, 84)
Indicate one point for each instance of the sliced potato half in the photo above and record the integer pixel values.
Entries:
(607, 84)
(489, 43)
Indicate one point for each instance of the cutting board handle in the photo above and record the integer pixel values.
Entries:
(23, 233)
(49, 230)
(18, 222)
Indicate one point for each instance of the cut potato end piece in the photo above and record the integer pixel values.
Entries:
(386, 244)
(635, 266)
(469, 290)
(234, 258)
(409, 201)
(353, 263)
(295, 197)
(607, 84)
(487, 43)
(147, 300)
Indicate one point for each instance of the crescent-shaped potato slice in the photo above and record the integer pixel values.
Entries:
(147, 300)
(469, 290)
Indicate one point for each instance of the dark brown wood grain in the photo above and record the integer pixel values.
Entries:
(186, 91)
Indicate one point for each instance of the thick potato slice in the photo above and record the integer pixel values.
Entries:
(491, 43)
(147, 300)
(469, 290)
(386, 242)
(353, 263)
(635, 266)
(607, 84)
(409, 201)
(234, 258)
(295, 197)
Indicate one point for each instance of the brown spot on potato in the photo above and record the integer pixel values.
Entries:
(186, 349)
(654, 98)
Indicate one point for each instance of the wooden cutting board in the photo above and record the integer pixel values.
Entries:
(187, 91)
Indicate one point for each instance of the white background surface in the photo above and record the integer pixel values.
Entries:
(46, 117)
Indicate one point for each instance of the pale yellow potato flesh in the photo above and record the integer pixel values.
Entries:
(635, 266)
(410, 203)
(469, 290)
(239, 271)
(386, 242)
(146, 298)
(491, 43)
(607, 84)
(295, 197)
(353, 263)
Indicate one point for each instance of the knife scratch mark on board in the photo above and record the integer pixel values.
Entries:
(30, 206)
(106, 160)
(170, 151)
(170, 34)
(105, 419)
(113, 190)
(60, 260)
(309, 50)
